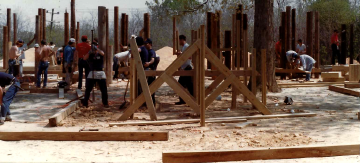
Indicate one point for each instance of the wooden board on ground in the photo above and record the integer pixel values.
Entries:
(335, 74)
(344, 90)
(182, 121)
(260, 154)
(86, 136)
(61, 93)
(47, 90)
(79, 92)
(344, 68)
(354, 72)
(334, 79)
(352, 85)
(63, 113)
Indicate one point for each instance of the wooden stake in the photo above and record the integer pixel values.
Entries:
(73, 21)
(66, 31)
(343, 44)
(288, 28)
(309, 34)
(351, 45)
(146, 26)
(293, 29)
(116, 30)
(44, 24)
(8, 24)
(15, 28)
(245, 50)
(202, 75)
(263, 75)
(5, 47)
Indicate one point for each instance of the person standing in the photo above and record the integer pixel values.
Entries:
(307, 62)
(96, 65)
(46, 53)
(335, 47)
(144, 55)
(82, 49)
(14, 55)
(68, 60)
(300, 47)
(185, 81)
(152, 64)
(7, 97)
(22, 49)
(278, 52)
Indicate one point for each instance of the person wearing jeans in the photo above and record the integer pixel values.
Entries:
(307, 62)
(43, 67)
(82, 49)
(68, 59)
(7, 97)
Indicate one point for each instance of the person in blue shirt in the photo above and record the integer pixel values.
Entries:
(152, 64)
(68, 60)
(144, 56)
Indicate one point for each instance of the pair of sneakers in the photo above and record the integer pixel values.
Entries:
(7, 118)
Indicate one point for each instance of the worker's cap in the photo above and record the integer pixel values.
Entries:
(72, 40)
(84, 37)
(36, 45)
(20, 41)
(148, 41)
(294, 55)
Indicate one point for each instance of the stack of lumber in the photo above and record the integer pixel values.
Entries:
(334, 76)
(342, 68)
(354, 72)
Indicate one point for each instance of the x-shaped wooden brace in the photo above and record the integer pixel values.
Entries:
(230, 78)
(164, 77)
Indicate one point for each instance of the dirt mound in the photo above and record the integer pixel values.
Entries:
(166, 57)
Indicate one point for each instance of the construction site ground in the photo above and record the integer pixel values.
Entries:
(336, 123)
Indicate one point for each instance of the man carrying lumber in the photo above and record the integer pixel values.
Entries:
(307, 62)
(82, 49)
(300, 47)
(335, 47)
(152, 64)
(96, 75)
(14, 56)
(68, 60)
(45, 54)
(6, 97)
(185, 81)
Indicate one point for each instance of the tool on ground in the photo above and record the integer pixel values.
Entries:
(62, 84)
(83, 129)
(123, 104)
(288, 100)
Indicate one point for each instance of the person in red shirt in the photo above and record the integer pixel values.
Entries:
(82, 49)
(335, 47)
(278, 51)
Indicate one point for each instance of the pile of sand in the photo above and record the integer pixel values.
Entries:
(166, 57)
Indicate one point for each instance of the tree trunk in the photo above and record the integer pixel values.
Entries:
(263, 36)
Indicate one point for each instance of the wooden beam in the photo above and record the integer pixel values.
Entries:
(202, 76)
(214, 84)
(146, 26)
(221, 88)
(116, 30)
(8, 24)
(317, 41)
(309, 34)
(343, 46)
(86, 136)
(209, 30)
(5, 47)
(263, 75)
(44, 24)
(260, 154)
(245, 49)
(253, 76)
(354, 72)
(351, 44)
(352, 85)
(283, 43)
(344, 91)
(15, 28)
(41, 25)
(73, 20)
(227, 45)
(63, 113)
(142, 79)
(66, 30)
(287, 71)
(288, 28)
(293, 29)
(174, 35)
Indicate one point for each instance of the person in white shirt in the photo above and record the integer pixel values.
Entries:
(185, 81)
(300, 48)
(21, 57)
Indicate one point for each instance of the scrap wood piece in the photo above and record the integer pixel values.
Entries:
(182, 121)
(344, 90)
(352, 85)
(341, 79)
(260, 153)
(86, 136)
(63, 113)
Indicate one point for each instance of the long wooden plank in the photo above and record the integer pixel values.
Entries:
(352, 85)
(159, 81)
(307, 84)
(344, 90)
(142, 79)
(86, 136)
(270, 116)
(260, 153)
(223, 86)
(263, 75)
(181, 121)
(236, 83)
(63, 113)
(180, 90)
(214, 84)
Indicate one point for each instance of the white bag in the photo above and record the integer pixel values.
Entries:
(97, 75)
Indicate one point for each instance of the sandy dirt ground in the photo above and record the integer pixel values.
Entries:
(336, 123)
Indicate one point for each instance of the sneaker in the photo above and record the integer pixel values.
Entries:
(2, 122)
(8, 118)
(180, 103)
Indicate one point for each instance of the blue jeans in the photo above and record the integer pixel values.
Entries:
(7, 99)
(43, 66)
(82, 65)
(11, 62)
(309, 68)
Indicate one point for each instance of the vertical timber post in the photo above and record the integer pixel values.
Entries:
(288, 27)
(15, 28)
(5, 47)
(73, 20)
(253, 73)
(126, 29)
(244, 49)
(8, 24)
(344, 51)
(37, 40)
(102, 31)
(227, 54)
(116, 30)
(317, 43)
(293, 29)
(122, 30)
(202, 76)
(44, 24)
(263, 75)
(351, 46)
(40, 25)
(146, 26)
(309, 34)
(66, 30)
(209, 18)
(108, 50)
(283, 44)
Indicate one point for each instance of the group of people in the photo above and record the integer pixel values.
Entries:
(297, 58)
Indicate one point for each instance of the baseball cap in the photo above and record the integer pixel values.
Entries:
(84, 37)
(72, 40)
(20, 41)
(148, 41)
(36, 45)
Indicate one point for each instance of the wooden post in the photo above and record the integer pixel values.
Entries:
(288, 28)
(174, 35)
(146, 26)
(40, 25)
(202, 76)
(44, 24)
(116, 30)
(283, 44)
(73, 21)
(263, 75)
(317, 43)
(253, 73)
(218, 33)
(209, 20)
(15, 28)
(177, 41)
(102, 31)
(38, 40)
(227, 54)
(309, 34)
(66, 30)
(244, 49)
(126, 30)
(108, 53)
(351, 46)
(8, 24)
(122, 29)
(344, 51)
(293, 29)
(77, 36)
(5, 47)
(238, 51)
